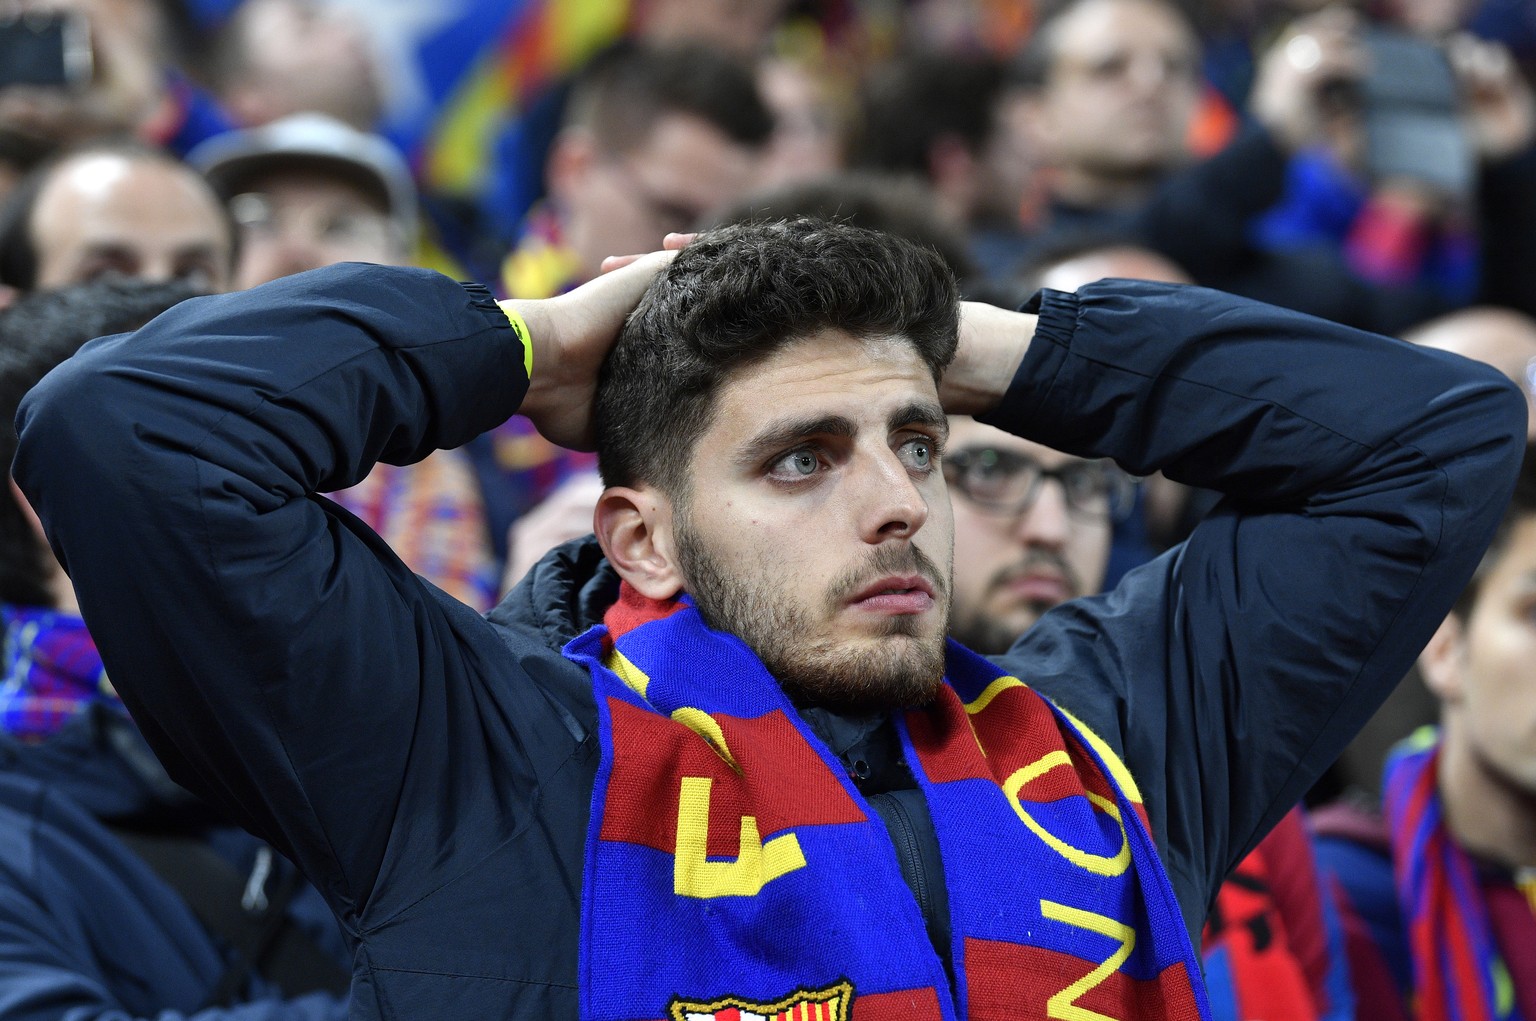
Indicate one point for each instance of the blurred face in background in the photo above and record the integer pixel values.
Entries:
(1120, 91)
(298, 55)
(149, 218)
(1483, 670)
(1032, 530)
(617, 203)
(806, 141)
(292, 221)
(126, 92)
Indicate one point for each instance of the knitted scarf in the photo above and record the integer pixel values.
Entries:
(1274, 943)
(1458, 974)
(51, 672)
(734, 872)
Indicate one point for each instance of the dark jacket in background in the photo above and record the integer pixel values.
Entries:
(87, 929)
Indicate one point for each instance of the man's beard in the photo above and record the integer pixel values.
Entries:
(976, 629)
(818, 669)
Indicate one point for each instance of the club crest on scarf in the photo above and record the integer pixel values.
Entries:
(730, 858)
(829, 1004)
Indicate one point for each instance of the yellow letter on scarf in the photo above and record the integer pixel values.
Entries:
(1098, 864)
(756, 865)
(1063, 1006)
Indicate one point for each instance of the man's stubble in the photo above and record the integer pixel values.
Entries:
(904, 668)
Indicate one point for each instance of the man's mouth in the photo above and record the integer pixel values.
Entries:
(895, 594)
(1041, 580)
(1049, 589)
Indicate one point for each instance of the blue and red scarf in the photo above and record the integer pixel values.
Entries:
(1458, 973)
(733, 871)
(51, 672)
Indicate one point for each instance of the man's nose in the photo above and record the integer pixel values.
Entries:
(1046, 522)
(158, 269)
(893, 507)
(1149, 72)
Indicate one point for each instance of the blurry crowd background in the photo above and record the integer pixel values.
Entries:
(1374, 164)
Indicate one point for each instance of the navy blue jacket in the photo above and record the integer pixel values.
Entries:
(87, 931)
(432, 769)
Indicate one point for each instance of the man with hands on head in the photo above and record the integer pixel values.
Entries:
(630, 791)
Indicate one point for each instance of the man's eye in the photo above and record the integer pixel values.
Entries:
(918, 454)
(1087, 482)
(798, 463)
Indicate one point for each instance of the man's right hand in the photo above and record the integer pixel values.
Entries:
(572, 334)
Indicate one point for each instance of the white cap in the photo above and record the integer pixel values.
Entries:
(233, 160)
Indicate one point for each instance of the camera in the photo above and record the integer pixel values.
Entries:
(45, 49)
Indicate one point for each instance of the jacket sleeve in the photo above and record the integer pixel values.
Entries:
(1362, 479)
(174, 471)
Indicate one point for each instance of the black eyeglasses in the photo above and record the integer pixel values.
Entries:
(1009, 483)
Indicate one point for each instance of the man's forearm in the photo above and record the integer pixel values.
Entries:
(174, 470)
(1238, 396)
(1364, 478)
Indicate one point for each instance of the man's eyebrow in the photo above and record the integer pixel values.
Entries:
(777, 436)
(927, 413)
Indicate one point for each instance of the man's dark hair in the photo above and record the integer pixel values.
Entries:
(622, 96)
(1030, 68)
(38, 332)
(730, 300)
(1522, 505)
(18, 248)
(909, 104)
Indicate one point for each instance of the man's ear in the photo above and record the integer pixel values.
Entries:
(634, 527)
(571, 157)
(1443, 660)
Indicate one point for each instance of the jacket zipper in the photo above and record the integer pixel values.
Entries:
(903, 835)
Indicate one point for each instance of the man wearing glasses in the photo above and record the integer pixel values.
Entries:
(1032, 530)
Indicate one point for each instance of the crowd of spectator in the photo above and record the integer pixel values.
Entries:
(1372, 164)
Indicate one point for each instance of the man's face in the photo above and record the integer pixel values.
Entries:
(292, 221)
(1491, 702)
(301, 55)
(145, 218)
(1121, 89)
(818, 529)
(1012, 566)
(627, 202)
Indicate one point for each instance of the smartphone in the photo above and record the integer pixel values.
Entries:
(48, 49)
(1412, 109)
